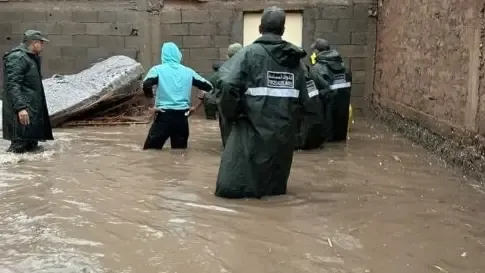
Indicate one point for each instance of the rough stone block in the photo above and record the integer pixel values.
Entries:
(106, 16)
(85, 40)
(69, 28)
(358, 76)
(221, 40)
(223, 53)
(59, 16)
(64, 65)
(195, 15)
(353, 25)
(204, 53)
(34, 16)
(171, 16)
(5, 28)
(132, 42)
(73, 51)
(352, 50)
(168, 38)
(358, 89)
(322, 26)
(224, 28)
(10, 17)
(85, 16)
(361, 11)
(334, 12)
(122, 29)
(359, 38)
(335, 38)
(358, 63)
(202, 29)
(196, 41)
(111, 41)
(98, 28)
(175, 29)
(126, 16)
(61, 40)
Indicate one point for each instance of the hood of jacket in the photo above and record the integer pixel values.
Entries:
(332, 58)
(171, 54)
(22, 47)
(283, 52)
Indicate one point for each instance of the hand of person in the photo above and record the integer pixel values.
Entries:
(191, 110)
(201, 94)
(24, 117)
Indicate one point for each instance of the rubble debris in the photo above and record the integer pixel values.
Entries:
(107, 83)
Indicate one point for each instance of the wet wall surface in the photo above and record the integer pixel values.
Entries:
(94, 202)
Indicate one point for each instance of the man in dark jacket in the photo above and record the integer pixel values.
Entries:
(25, 115)
(330, 66)
(311, 129)
(260, 95)
(210, 106)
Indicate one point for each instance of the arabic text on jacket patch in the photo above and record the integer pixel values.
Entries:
(280, 79)
(311, 88)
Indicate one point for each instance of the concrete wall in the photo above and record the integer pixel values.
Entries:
(429, 70)
(83, 32)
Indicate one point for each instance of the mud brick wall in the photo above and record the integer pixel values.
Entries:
(83, 32)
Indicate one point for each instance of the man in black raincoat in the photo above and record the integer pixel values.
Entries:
(311, 129)
(260, 95)
(330, 66)
(25, 115)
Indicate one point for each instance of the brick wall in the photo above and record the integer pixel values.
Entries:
(81, 32)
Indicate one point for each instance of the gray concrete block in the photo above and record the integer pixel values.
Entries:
(10, 40)
(111, 41)
(126, 16)
(202, 28)
(176, 29)
(223, 53)
(51, 52)
(81, 63)
(33, 16)
(85, 40)
(10, 17)
(106, 16)
(220, 15)
(20, 28)
(221, 41)
(73, 51)
(195, 15)
(94, 54)
(322, 26)
(61, 40)
(98, 29)
(122, 29)
(335, 38)
(196, 41)
(361, 11)
(358, 76)
(334, 12)
(5, 28)
(358, 89)
(49, 28)
(132, 42)
(359, 38)
(204, 53)
(358, 63)
(354, 25)
(85, 16)
(171, 16)
(168, 38)
(352, 50)
(64, 65)
(70, 28)
(59, 16)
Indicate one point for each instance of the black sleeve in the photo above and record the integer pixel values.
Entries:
(202, 85)
(148, 86)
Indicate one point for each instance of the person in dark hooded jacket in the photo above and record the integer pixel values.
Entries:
(25, 119)
(330, 66)
(260, 94)
(210, 106)
(311, 129)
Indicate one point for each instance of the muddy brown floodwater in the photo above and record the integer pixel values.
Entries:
(96, 203)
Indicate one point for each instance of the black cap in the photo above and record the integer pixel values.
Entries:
(320, 45)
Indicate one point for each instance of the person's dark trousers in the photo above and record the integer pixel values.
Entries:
(171, 124)
(22, 146)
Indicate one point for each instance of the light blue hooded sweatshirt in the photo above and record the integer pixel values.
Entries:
(175, 80)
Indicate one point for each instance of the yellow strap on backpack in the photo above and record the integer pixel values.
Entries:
(313, 58)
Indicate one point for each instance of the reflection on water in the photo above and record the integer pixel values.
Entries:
(94, 202)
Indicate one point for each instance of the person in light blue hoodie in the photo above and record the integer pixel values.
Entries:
(174, 83)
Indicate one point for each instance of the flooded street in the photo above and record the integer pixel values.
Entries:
(94, 202)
